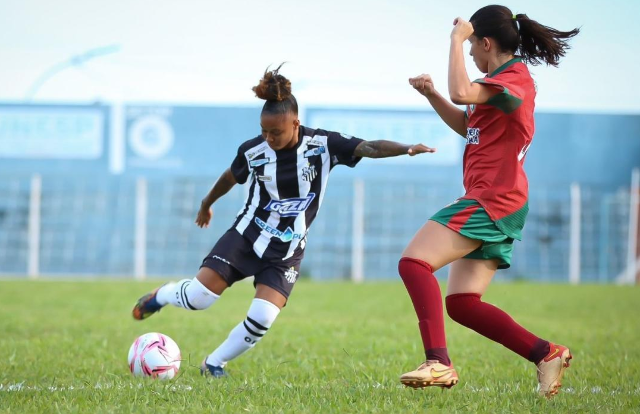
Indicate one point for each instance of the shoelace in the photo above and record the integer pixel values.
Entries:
(428, 363)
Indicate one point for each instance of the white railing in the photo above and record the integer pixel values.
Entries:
(33, 264)
(357, 239)
(633, 261)
(76, 226)
(575, 235)
(140, 249)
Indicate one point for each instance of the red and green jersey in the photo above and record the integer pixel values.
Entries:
(499, 134)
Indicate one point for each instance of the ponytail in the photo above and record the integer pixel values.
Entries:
(518, 34)
(539, 43)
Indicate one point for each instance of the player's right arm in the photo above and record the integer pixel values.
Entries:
(450, 114)
(220, 188)
(236, 174)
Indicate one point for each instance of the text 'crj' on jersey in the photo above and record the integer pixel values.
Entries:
(287, 188)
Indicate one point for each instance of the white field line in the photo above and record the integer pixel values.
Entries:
(23, 387)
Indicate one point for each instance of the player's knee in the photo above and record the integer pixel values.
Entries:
(409, 267)
(193, 295)
(459, 306)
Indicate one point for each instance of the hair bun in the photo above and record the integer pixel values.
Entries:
(273, 86)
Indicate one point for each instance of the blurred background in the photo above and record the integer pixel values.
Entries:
(117, 117)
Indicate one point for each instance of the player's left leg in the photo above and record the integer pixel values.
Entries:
(263, 311)
(468, 280)
(274, 283)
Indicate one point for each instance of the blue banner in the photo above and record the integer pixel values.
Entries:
(53, 138)
(183, 140)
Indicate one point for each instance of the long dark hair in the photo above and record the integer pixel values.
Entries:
(518, 34)
(276, 90)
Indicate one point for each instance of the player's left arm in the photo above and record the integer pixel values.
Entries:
(384, 149)
(461, 90)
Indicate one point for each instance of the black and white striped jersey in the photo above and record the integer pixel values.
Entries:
(287, 188)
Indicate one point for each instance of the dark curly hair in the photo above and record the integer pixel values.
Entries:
(276, 90)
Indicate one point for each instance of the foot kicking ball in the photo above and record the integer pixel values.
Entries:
(154, 355)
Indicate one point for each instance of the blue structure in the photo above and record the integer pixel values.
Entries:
(87, 208)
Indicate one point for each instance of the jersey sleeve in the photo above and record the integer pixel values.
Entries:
(239, 167)
(341, 148)
(467, 112)
(511, 93)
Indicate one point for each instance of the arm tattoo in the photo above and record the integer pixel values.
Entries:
(380, 149)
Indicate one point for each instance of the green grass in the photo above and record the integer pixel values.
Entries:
(336, 347)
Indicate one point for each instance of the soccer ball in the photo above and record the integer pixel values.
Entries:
(154, 355)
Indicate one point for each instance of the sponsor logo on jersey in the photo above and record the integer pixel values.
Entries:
(345, 136)
(473, 136)
(286, 236)
(309, 173)
(314, 151)
(290, 207)
(291, 275)
(265, 178)
(259, 162)
(259, 151)
(315, 142)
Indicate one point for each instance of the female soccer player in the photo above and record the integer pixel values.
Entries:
(475, 233)
(288, 168)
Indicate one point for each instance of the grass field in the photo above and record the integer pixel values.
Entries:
(336, 347)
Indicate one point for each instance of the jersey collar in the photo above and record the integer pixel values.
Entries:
(504, 66)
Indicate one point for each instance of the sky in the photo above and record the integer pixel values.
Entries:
(339, 53)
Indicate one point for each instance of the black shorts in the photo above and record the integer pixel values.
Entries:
(234, 259)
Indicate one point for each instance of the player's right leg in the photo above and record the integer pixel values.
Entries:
(218, 271)
(434, 246)
(192, 294)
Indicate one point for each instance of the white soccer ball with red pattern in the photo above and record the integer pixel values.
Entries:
(154, 355)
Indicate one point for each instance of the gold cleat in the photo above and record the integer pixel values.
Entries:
(551, 369)
(431, 374)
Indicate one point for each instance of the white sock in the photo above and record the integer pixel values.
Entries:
(246, 334)
(188, 294)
